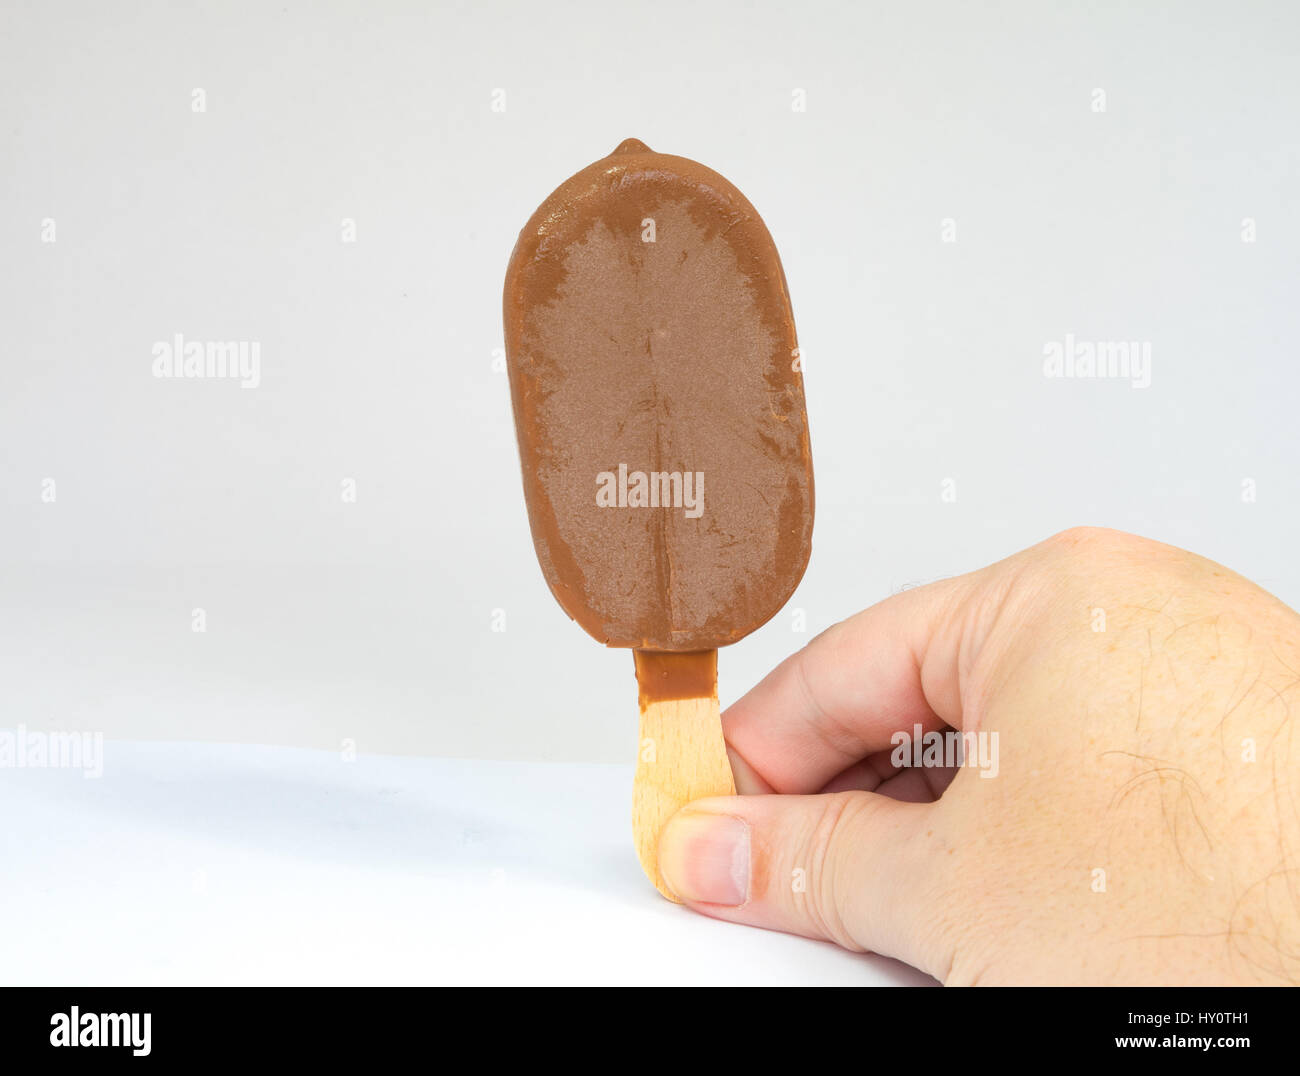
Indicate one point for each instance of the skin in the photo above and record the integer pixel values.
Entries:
(1143, 826)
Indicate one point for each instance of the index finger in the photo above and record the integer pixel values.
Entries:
(895, 665)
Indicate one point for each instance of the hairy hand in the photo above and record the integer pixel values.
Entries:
(1127, 809)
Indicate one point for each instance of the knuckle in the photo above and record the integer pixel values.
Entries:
(1085, 537)
(831, 862)
(830, 639)
(1074, 557)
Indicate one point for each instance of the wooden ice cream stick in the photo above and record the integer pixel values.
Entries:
(681, 755)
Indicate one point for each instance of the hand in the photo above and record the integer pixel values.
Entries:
(1129, 806)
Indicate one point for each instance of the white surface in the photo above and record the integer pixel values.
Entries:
(201, 863)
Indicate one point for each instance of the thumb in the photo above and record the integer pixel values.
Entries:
(855, 868)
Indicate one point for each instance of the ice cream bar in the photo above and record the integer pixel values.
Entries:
(659, 406)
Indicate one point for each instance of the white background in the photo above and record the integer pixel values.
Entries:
(372, 620)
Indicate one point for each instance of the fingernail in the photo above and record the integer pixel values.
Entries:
(704, 858)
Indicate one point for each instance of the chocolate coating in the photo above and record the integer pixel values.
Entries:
(663, 676)
(649, 333)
